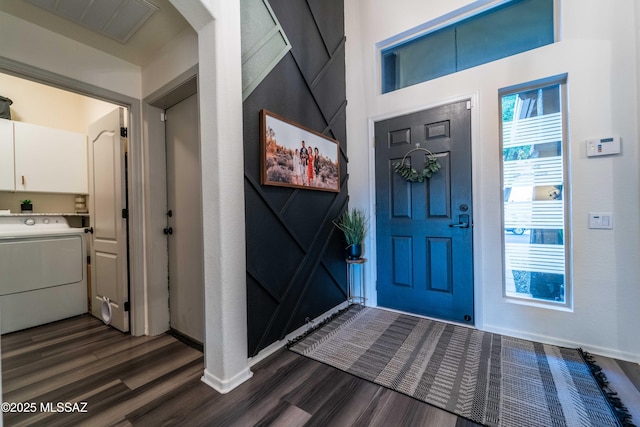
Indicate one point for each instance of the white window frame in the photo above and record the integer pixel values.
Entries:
(474, 8)
(567, 304)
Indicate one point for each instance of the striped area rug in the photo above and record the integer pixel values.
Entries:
(488, 378)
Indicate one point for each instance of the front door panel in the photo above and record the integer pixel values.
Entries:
(424, 230)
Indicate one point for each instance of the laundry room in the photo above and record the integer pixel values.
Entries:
(45, 203)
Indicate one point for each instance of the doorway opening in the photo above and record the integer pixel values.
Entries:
(76, 106)
(178, 206)
(184, 220)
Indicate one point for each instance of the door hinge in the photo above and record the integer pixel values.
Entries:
(125, 213)
(163, 117)
(123, 132)
(468, 105)
(126, 306)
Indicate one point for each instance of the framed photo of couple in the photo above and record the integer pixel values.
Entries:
(294, 156)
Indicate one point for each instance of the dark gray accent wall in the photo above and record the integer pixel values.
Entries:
(295, 256)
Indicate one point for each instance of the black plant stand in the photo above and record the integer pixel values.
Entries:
(355, 291)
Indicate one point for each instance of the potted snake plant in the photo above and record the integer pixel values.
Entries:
(353, 223)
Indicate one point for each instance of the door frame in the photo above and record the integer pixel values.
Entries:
(186, 315)
(154, 318)
(156, 103)
(135, 179)
(476, 177)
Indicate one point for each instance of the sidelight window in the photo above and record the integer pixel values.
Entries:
(535, 193)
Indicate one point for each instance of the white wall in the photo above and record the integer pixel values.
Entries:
(158, 76)
(172, 60)
(44, 105)
(598, 52)
(29, 44)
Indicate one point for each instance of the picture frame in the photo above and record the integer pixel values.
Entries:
(286, 160)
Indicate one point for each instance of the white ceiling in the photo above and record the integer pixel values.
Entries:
(160, 29)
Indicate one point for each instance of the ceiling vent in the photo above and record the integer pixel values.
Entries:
(118, 19)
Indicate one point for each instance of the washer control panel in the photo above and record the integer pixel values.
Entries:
(31, 224)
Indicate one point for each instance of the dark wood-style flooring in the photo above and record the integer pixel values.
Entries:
(155, 381)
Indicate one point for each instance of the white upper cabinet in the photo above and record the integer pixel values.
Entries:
(50, 160)
(6, 156)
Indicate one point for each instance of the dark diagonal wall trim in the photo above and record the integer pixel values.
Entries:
(295, 257)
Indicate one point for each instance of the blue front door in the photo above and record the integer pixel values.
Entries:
(424, 229)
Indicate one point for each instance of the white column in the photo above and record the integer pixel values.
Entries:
(220, 92)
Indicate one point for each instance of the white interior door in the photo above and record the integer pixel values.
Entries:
(186, 276)
(108, 199)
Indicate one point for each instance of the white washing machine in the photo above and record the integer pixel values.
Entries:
(43, 271)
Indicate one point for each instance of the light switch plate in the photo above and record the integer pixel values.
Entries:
(603, 220)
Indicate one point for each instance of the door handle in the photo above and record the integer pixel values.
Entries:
(460, 225)
(89, 230)
(463, 222)
(168, 231)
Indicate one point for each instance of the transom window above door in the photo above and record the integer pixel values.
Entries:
(506, 28)
(535, 193)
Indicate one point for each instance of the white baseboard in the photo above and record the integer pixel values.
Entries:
(225, 386)
(546, 339)
(269, 350)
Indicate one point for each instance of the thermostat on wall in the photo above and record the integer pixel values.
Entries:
(603, 147)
